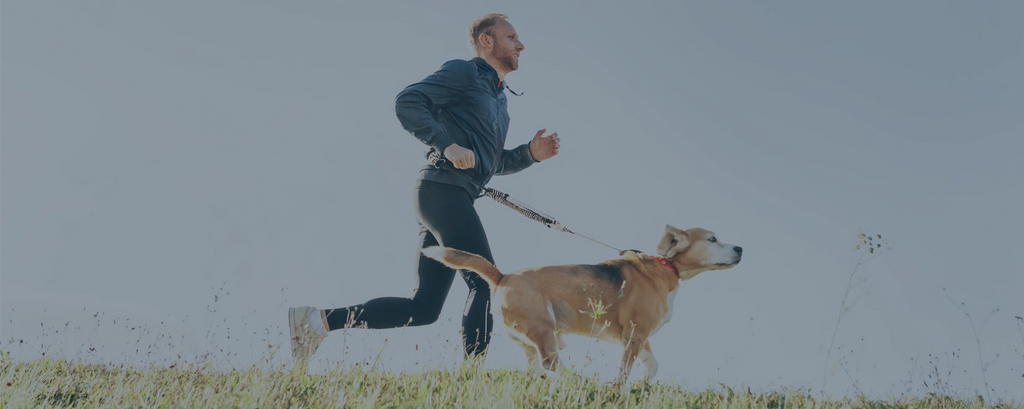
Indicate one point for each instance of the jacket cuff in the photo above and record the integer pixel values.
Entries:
(440, 138)
(525, 157)
(527, 154)
(441, 141)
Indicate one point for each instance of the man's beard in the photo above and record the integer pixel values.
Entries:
(505, 56)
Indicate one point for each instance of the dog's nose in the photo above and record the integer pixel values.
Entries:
(739, 250)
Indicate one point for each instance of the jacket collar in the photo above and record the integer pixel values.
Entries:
(486, 70)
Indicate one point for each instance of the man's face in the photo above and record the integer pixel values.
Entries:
(506, 45)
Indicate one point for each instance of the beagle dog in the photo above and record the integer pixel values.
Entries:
(625, 300)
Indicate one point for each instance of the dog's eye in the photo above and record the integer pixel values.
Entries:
(713, 240)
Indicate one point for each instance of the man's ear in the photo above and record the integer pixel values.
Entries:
(673, 242)
(484, 40)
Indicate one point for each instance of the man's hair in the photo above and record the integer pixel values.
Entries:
(483, 25)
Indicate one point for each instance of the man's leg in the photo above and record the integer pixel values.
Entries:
(449, 213)
(448, 218)
(433, 282)
(477, 321)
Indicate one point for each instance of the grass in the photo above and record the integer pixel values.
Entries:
(202, 383)
(48, 382)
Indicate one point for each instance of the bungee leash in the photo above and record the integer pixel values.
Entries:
(509, 201)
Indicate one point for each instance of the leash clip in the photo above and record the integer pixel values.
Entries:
(435, 159)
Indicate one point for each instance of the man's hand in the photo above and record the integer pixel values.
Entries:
(544, 147)
(461, 157)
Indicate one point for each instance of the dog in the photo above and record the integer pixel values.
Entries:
(625, 300)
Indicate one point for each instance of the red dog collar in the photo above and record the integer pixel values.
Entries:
(666, 263)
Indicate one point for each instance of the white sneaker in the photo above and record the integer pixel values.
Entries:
(304, 338)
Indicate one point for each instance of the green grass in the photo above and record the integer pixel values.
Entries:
(59, 383)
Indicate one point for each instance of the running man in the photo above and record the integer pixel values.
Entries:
(461, 113)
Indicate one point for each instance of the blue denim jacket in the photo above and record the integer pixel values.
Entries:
(463, 103)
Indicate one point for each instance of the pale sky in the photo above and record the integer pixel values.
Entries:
(155, 156)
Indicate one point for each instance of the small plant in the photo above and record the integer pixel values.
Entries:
(868, 248)
(597, 310)
(976, 331)
(1020, 320)
(934, 381)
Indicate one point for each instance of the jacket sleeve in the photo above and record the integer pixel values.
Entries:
(515, 160)
(416, 103)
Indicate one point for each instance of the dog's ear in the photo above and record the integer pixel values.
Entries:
(673, 242)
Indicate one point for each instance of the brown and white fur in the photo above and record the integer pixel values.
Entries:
(624, 300)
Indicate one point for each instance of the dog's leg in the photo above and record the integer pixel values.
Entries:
(560, 341)
(633, 342)
(532, 358)
(534, 324)
(544, 337)
(647, 357)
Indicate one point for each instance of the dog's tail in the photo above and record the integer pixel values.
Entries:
(460, 259)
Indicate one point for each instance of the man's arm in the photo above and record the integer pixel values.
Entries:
(539, 149)
(415, 104)
(514, 160)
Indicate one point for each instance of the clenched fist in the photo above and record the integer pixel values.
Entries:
(461, 157)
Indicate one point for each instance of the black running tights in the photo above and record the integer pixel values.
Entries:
(446, 217)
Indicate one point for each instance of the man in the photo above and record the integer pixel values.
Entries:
(461, 113)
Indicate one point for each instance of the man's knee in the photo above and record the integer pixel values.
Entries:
(425, 316)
